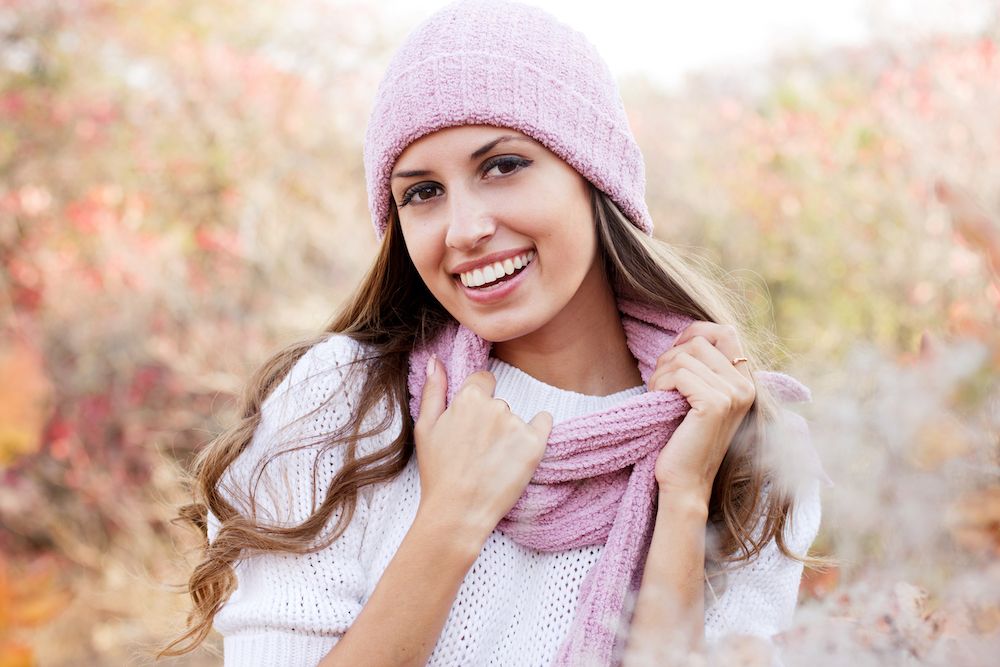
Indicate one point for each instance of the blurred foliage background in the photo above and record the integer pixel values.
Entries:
(181, 192)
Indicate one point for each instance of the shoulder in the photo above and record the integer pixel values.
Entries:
(316, 400)
(803, 522)
(338, 355)
(758, 596)
(339, 349)
(331, 370)
(799, 467)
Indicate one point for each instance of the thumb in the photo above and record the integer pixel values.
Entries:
(432, 399)
(542, 424)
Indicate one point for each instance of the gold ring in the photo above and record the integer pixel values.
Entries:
(739, 360)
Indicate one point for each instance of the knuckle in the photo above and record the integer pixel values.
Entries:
(702, 344)
(720, 403)
(463, 395)
(702, 328)
(470, 390)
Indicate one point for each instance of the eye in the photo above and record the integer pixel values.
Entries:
(505, 164)
(419, 193)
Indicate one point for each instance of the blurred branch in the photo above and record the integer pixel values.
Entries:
(972, 222)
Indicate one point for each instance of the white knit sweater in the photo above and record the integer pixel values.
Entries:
(514, 606)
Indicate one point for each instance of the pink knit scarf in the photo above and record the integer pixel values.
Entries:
(595, 484)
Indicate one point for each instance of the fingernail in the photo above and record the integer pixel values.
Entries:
(431, 365)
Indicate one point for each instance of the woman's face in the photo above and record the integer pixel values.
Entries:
(499, 228)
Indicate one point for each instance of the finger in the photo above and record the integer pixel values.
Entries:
(715, 359)
(542, 424)
(724, 337)
(702, 397)
(731, 383)
(699, 356)
(482, 380)
(432, 400)
(685, 358)
(689, 384)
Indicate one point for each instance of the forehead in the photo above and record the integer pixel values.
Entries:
(460, 142)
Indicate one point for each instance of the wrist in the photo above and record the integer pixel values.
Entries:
(681, 509)
(692, 496)
(458, 530)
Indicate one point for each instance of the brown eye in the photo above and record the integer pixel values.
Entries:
(425, 193)
(419, 193)
(505, 165)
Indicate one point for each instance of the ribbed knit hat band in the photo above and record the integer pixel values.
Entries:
(508, 65)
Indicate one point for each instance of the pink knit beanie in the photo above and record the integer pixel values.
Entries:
(494, 62)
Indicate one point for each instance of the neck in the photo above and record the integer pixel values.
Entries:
(583, 349)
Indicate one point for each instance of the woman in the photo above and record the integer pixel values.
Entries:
(510, 447)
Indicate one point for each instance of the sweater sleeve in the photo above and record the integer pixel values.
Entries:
(759, 597)
(291, 609)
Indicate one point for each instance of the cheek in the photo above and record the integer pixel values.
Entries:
(424, 254)
(419, 243)
(568, 212)
(575, 240)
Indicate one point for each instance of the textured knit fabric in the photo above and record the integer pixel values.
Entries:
(493, 62)
(515, 604)
(595, 483)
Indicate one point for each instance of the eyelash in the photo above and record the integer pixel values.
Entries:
(519, 162)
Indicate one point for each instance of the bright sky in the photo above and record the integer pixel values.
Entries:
(670, 38)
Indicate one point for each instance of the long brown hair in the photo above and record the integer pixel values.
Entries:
(390, 313)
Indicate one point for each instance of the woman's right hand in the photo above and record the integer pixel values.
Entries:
(476, 457)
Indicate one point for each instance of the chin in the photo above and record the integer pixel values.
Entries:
(495, 333)
(500, 329)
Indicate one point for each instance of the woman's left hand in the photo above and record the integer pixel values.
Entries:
(700, 366)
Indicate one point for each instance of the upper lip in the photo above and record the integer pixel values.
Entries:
(487, 260)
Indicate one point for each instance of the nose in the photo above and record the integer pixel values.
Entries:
(470, 222)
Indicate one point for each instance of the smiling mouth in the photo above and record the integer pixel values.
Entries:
(496, 273)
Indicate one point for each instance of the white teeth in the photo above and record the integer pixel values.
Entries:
(497, 270)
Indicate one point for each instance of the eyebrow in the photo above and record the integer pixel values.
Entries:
(479, 152)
